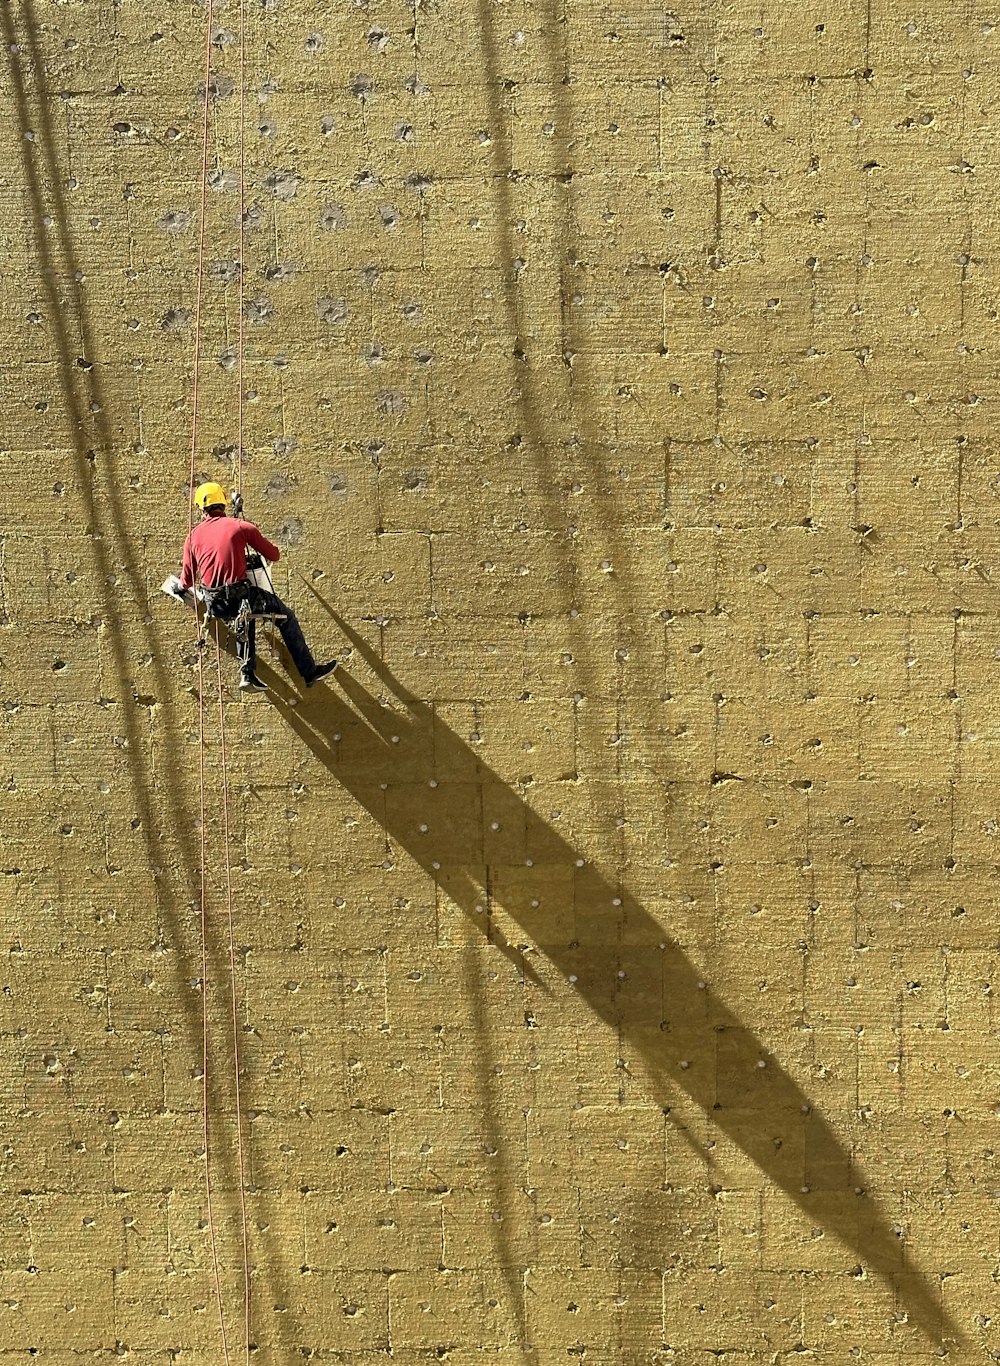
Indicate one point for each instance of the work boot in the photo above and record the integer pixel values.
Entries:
(249, 682)
(320, 671)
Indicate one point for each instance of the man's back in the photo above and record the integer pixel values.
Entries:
(215, 551)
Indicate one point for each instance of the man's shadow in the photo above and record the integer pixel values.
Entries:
(438, 800)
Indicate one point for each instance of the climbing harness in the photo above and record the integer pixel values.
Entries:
(246, 618)
(241, 626)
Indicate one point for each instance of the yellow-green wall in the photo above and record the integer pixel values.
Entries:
(615, 933)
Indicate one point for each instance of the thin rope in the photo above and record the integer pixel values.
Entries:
(232, 991)
(204, 1010)
(241, 363)
(199, 285)
(241, 342)
(195, 392)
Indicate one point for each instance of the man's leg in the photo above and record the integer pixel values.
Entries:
(225, 604)
(246, 652)
(291, 632)
(246, 649)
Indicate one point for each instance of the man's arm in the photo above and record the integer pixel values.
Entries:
(256, 538)
(189, 567)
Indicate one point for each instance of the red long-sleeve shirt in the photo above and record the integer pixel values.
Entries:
(215, 551)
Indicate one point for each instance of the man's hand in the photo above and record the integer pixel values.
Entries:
(173, 588)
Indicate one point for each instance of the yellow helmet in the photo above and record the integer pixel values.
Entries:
(209, 495)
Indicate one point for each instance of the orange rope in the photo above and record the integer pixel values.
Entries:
(204, 1009)
(241, 355)
(199, 294)
(232, 991)
(241, 343)
(199, 287)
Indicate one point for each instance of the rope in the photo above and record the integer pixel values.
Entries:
(232, 990)
(195, 391)
(204, 1010)
(201, 641)
(241, 342)
(199, 287)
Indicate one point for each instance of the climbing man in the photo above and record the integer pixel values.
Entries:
(215, 555)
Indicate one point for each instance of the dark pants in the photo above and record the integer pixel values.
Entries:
(224, 602)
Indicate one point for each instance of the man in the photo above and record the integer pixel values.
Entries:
(215, 555)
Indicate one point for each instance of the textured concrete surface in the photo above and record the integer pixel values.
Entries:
(616, 931)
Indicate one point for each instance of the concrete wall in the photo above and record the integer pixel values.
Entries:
(615, 934)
